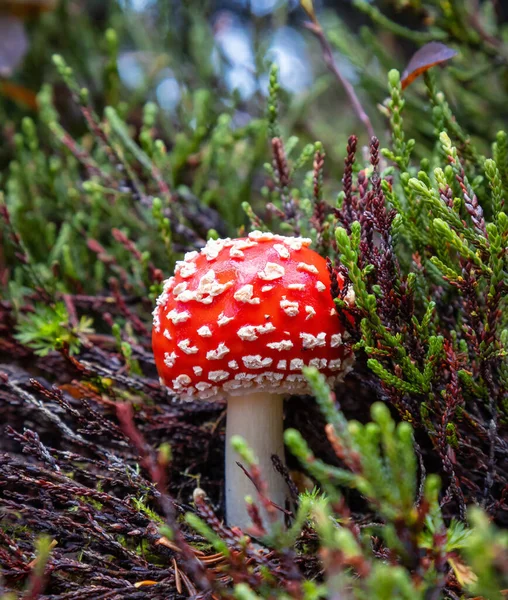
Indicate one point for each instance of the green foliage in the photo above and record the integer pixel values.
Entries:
(381, 464)
(485, 550)
(48, 328)
(43, 187)
(401, 149)
(43, 546)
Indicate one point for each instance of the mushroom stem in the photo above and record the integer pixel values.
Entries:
(258, 418)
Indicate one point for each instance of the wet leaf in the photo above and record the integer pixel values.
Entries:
(19, 94)
(139, 584)
(428, 56)
(26, 8)
(463, 572)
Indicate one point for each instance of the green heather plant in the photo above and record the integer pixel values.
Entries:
(372, 560)
(401, 490)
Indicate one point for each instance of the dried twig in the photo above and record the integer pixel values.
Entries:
(315, 27)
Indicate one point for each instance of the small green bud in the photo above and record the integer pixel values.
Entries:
(111, 40)
(394, 78)
(165, 455)
(240, 446)
(380, 413)
(166, 531)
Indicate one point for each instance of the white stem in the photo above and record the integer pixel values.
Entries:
(258, 418)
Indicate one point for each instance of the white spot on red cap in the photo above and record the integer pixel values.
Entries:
(213, 391)
(282, 364)
(203, 385)
(166, 334)
(290, 308)
(281, 250)
(296, 364)
(297, 242)
(178, 316)
(282, 345)
(181, 381)
(161, 301)
(295, 377)
(186, 269)
(271, 272)
(197, 370)
(276, 376)
(313, 341)
(169, 359)
(310, 312)
(320, 286)
(319, 363)
(208, 288)
(178, 289)
(256, 361)
(261, 236)
(350, 297)
(246, 294)
(268, 376)
(218, 376)
(333, 312)
(347, 363)
(218, 353)
(156, 319)
(187, 348)
(232, 385)
(232, 364)
(296, 286)
(336, 340)
(188, 392)
(236, 253)
(214, 247)
(245, 376)
(204, 331)
(335, 364)
(267, 288)
(167, 287)
(238, 247)
(306, 267)
(223, 320)
(266, 328)
(250, 333)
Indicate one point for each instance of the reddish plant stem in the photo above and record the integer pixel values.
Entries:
(317, 30)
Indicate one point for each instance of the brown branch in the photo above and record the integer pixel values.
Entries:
(317, 30)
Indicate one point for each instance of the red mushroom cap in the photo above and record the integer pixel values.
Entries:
(248, 313)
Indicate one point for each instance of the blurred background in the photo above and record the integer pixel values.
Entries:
(167, 47)
(195, 74)
(165, 50)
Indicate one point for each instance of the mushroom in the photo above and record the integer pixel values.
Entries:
(239, 320)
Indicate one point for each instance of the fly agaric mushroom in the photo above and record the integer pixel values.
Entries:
(239, 320)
